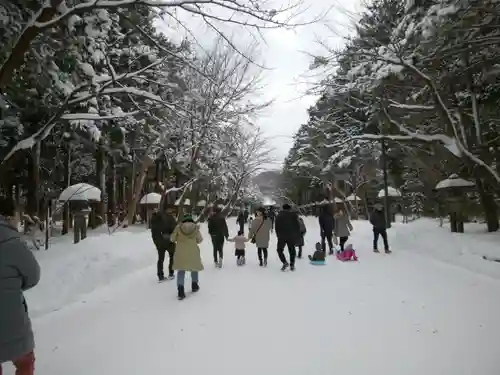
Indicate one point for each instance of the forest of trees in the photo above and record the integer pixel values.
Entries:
(420, 79)
(92, 91)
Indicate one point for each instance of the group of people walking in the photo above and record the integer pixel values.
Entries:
(181, 240)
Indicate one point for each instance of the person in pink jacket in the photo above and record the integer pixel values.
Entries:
(239, 244)
(348, 254)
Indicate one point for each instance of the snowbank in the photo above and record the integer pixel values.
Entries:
(466, 250)
(69, 271)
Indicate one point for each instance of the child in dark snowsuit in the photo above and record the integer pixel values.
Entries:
(319, 254)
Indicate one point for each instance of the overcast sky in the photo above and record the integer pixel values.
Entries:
(283, 52)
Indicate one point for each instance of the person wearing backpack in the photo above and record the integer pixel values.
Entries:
(19, 271)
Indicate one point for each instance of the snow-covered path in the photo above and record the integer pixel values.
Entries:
(387, 314)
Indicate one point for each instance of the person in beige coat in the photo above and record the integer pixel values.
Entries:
(187, 257)
(342, 227)
(260, 234)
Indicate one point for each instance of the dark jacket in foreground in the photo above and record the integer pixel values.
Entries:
(326, 222)
(162, 227)
(19, 271)
(287, 226)
(377, 219)
(217, 227)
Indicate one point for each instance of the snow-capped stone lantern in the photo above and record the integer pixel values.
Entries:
(393, 194)
(79, 197)
(453, 189)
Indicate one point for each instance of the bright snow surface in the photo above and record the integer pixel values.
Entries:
(429, 308)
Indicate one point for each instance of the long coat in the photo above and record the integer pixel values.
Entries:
(187, 255)
(302, 232)
(343, 226)
(19, 271)
(262, 233)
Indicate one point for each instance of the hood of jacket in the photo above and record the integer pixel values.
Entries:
(7, 230)
(188, 229)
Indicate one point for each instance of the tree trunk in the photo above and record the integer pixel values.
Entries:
(32, 190)
(101, 184)
(111, 192)
(67, 182)
(489, 206)
(146, 163)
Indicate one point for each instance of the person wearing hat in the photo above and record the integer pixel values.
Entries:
(162, 227)
(377, 219)
(287, 228)
(187, 257)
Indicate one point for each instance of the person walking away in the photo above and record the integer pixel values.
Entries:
(187, 257)
(303, 231)
(377, 219)
(326, 225)
(260, 234)
(246, 214)
(162, 227)
(240, 220)
(342, 228)
(239, 247)
(19, 271)
(287, 229)
(272, 216)
(217, 228)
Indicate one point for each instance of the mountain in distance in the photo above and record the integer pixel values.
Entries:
(269, 183)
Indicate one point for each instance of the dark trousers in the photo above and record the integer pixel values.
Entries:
(380, 232)
(218, 246)
(282, 242)
(342, 241)
(242, 226)
(161, 260)
(262, 254)
(329, 238)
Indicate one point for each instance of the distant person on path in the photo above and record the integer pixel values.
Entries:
(342, 228)
(162, 227)
(240, 220)
(187, 257)
(300, 243)
(377, 219)
(217, 228)
(246, 214)
(239, 247)
(272, 216)
(260, 234)
(326, 225)
(288, 232)
(19, 271)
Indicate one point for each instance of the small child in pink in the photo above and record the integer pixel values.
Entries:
(349, 254)
(239, 246)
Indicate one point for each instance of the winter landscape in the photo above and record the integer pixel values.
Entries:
(141, 140)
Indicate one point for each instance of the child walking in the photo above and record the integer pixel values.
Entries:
(239, 245)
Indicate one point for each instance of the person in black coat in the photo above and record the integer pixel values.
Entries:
(326, 225)
(162, 226)
(240, 220)
(217, 228)
(287, 227)
(377, 219)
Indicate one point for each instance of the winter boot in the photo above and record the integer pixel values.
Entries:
(376, 251)
(292, 267)
(265, 262)
(180, 292)
(195, 287)
(220, 263)
(261, 263)
(243, 261)
(387, 251)
(284, 267)
(171, 276)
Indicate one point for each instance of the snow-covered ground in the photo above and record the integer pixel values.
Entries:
(431, 307)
